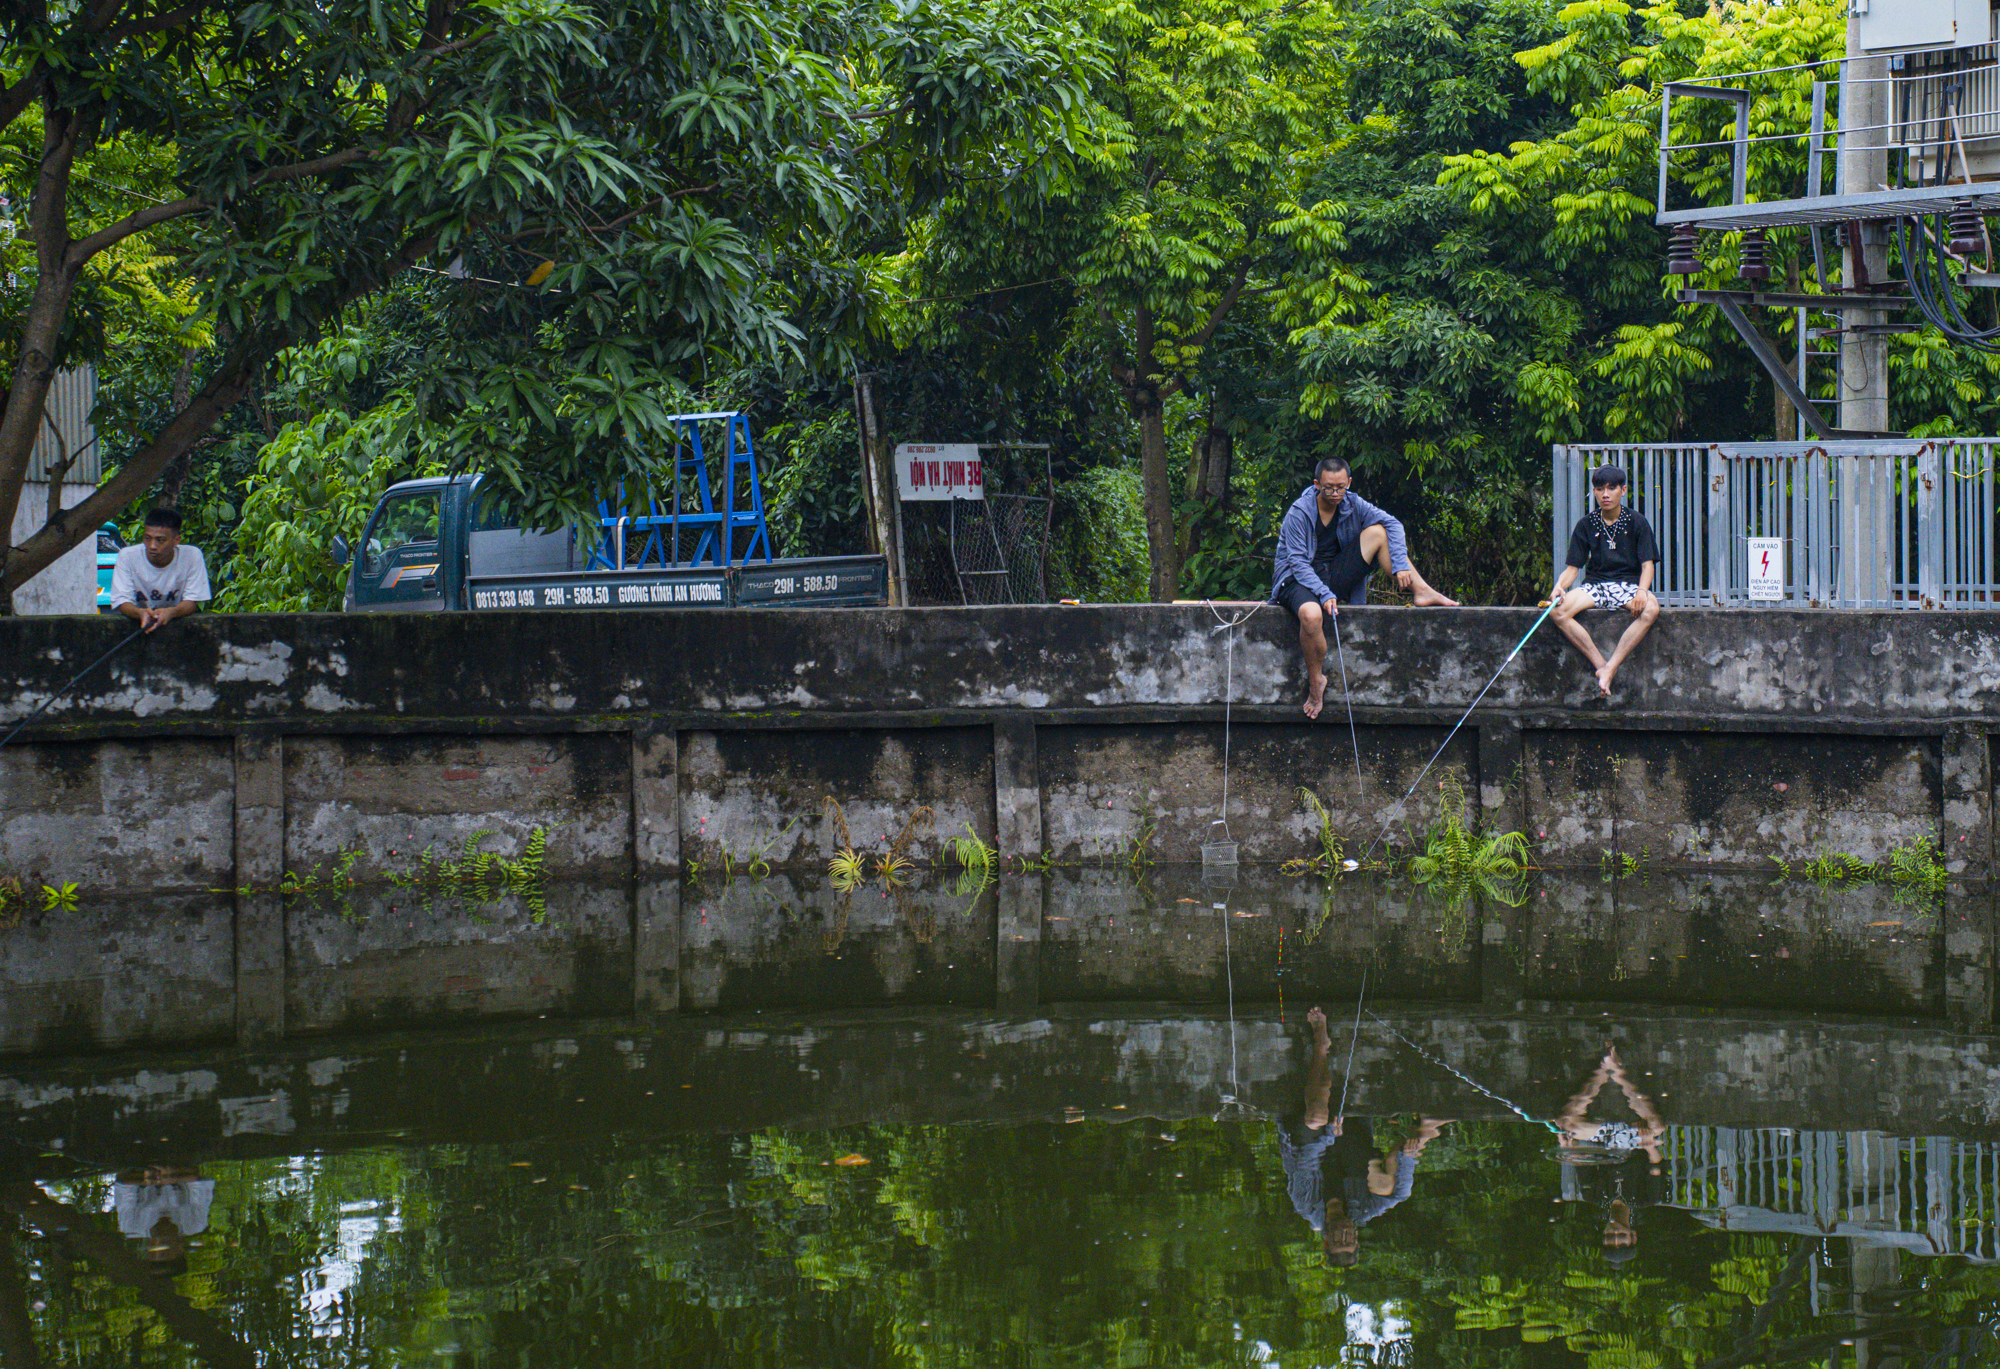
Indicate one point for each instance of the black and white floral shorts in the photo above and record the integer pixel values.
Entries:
(1611, 594)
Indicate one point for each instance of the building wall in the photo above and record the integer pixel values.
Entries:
(70, 585)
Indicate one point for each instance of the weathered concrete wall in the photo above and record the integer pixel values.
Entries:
(643, 740)
(390, 798)
(120, 814)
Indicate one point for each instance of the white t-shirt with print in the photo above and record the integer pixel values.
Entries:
(136, 580)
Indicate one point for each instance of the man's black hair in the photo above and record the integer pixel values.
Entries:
(164, 518)
(1331, 465)
(1606, 476)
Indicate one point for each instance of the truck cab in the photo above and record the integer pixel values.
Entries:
(412, 555)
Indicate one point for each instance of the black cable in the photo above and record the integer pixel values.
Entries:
(1927, 268)
(123, 642)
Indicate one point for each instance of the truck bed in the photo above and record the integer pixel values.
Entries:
(818, 581)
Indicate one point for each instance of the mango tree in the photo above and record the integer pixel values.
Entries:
(628, 190)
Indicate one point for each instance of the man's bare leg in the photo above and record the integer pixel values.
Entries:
(1319, 1074)
(1375, 549)
(1565, 616)
(1312, 642)
(1645, 609)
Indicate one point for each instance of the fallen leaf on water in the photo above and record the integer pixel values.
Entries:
(1885, 924)
(521, 1164)
(852, 1160)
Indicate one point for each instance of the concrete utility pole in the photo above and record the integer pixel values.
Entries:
(1864, 166)
(1863, 510)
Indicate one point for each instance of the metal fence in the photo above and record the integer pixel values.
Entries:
(1930, 1195)
(1882, 524)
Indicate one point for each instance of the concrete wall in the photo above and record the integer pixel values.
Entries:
(229, 749)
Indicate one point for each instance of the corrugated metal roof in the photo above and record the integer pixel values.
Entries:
(72, 396)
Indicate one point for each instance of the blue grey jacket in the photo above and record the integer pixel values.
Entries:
(1298, 539)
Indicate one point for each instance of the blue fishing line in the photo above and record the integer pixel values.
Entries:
(1553, 601)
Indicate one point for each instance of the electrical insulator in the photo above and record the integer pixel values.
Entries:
(1753, 260)
(1968, 229)
(1682, 258)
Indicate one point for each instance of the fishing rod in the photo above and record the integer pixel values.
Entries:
(1555, 597)
(1352, 736)
(1465, 1078)
(122, 643)
(1353, 1039)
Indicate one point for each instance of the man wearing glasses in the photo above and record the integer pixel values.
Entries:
(1330, 542)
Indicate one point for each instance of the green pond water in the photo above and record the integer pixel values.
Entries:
(874, 1134)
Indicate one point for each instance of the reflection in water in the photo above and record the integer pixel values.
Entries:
(1151, 1242)
(1266, 1207)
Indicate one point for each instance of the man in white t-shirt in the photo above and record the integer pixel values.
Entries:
(159, 580)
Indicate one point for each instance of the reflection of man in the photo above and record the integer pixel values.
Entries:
(159, 580)
(162, 1206)
(1624, 1173)
(1333, 1173)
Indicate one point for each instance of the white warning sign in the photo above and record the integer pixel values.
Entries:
(939, 471)
(1767, 569)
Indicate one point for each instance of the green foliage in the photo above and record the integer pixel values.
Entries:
(482, 876)
(1332, 850)
(702, 182)
(1098, 550)
(1915, 866)
(814, 497)
(847, 868)
(319, 478)
(59, 897)
(973, 855)
(1461, 863)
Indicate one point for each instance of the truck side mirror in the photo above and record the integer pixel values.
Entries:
(341, 554)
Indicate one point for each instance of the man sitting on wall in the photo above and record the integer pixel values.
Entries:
(1330, 542)
(159, 580)
(1617, 553)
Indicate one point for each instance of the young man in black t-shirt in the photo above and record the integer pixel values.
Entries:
(1617, 553)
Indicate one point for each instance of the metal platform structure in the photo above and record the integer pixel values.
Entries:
(1901, 144)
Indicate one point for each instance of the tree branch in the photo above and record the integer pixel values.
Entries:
(69, 527)
(151, 216)
(159, 23)
(1222, 308)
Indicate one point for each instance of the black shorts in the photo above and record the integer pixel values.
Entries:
(1347, 577)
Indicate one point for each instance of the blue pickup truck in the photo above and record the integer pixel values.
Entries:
(433, 546)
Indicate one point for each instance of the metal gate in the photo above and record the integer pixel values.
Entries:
(1878, 524)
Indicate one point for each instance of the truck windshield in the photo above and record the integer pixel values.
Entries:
(403, 520)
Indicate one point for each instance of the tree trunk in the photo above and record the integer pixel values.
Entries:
(1159, 487)
(878, 481)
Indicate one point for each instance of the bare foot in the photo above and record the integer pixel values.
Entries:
(1315, 696)
(1604, 674)
(1318, 1021)
(1430, 598)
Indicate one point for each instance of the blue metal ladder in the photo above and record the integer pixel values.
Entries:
(715, 529)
